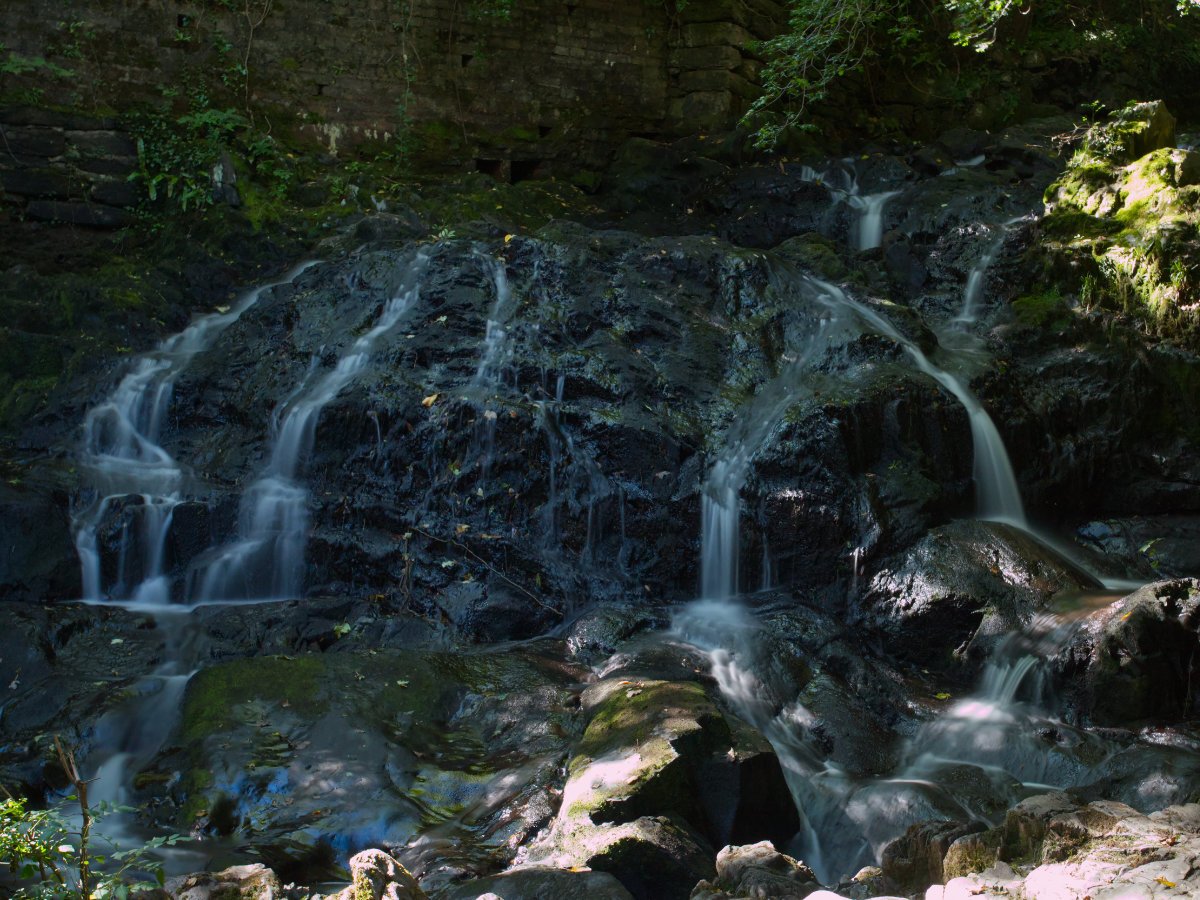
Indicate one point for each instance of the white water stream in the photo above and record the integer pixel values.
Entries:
(846, 823)
(266, 560)
(122, 458)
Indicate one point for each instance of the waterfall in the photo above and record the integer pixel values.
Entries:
(998, 497)
(493, 358)
(496, 348)
(266, 561)
(977, 277)
(840, 828)
(122, 457)
(868, 230)
(720, 534)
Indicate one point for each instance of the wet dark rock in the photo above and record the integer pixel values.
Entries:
(962, 587)
(596, 635)
(1134, 660)
(61, 668)
(37, 552)
(651, 857)
(541, 883)
(418, 739)
(1166, 546)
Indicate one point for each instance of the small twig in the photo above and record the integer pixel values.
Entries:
(467, 550)
(66, 759)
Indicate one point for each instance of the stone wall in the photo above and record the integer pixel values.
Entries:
(67, 167)
(557, 83)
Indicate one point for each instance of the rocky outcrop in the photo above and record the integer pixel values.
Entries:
(1120, 223)
(658, 779)
(376, 876)
(250, 882)
(1054, 847)
(1135, 660)
(962, 587)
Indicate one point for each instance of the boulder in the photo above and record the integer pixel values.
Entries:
(654, 858)
(914, 860)
(962, 587)
(250, 882)
(1132, 661)
(759, 870)
(376, 876)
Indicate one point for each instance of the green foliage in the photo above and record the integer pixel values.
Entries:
(16, 64)
(1045, 310)
(826, 39)
(975, 21)
(176, 155)
(43, 847)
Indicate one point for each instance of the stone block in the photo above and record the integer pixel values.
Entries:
(102, 143)
(708, 110)
(112, 192)
(36, 183)
(725, 57)
(91, 215)
(35, 142)
(48, 118)
(117, 166)
(715, 34)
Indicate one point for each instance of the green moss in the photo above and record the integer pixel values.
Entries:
(1045, 310)
(630, 715)
(214, 694)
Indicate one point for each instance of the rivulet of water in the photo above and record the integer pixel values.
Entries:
(266, 559)
(123, 459)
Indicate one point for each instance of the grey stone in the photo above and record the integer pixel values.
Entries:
(93, 215)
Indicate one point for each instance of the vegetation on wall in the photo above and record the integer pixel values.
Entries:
(828, 40)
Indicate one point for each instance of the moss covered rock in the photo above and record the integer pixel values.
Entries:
(1120, 225)
(340, 750)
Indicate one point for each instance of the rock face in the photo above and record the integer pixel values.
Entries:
(658, 779)
(962, 587)
(1129, 198)
(1060, 848)
(37, 557)
(504, 498)
(1133, 662)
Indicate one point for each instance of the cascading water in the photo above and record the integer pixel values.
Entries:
(266, 561)
(121, 457)
(496, 348)
(836, 831)
(997, 495)
(493, 358)
(720, 537)
(868, 230)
